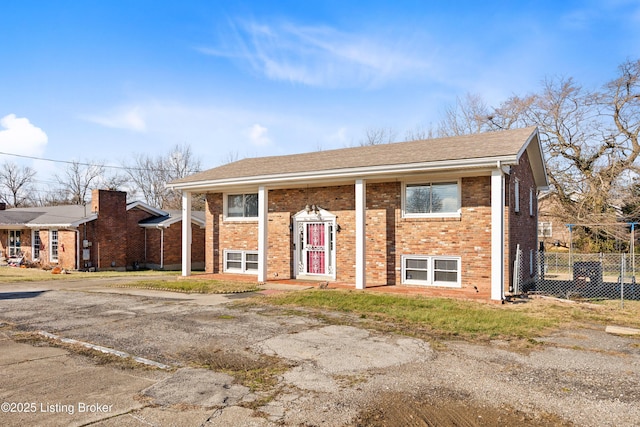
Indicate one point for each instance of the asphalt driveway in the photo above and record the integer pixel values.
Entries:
(264, 366)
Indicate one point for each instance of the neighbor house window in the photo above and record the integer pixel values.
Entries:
(53, 245)
(432, 199)
(431, 270)
(242, 205)
(544, 229)
(14, 243)
(241, 262)
(36, 245)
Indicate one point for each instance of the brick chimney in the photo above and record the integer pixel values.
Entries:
(111, 239)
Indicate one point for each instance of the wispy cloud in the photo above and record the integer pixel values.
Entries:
(128, 118)
(320, 55)
(19, 136)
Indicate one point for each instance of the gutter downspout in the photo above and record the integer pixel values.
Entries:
(77, 249)
(161, 246)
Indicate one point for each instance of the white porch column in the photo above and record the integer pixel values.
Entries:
(186, 233)
(361, 214)
(263, 195)
(497, 235)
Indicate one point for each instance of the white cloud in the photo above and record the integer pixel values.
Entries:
(258, 135)
(19, 136)
(128, 118)
(338, 137)
(321, 55)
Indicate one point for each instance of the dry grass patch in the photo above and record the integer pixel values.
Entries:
(257, 372)
(14, 274)
(572, 313)
(95, 356)
(193, 286)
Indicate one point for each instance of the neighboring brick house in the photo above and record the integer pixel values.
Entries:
(108, 234)
(446, 214)
(553, 231)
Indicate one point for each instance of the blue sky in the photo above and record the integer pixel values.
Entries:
(105, 80)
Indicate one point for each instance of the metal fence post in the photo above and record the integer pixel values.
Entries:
(622, 281)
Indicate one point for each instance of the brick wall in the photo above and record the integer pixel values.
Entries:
(135, 236)
(110, 246)
(389, 236)
(522, 226)
(171, 257)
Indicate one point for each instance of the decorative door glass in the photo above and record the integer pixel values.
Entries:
(316, 248)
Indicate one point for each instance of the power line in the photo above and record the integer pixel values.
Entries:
(71, 162)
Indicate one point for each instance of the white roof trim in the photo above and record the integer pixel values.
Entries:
(73, 224)
(360, 172)
(166, 223)
(146, 207)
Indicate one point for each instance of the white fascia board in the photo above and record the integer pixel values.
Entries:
(52, 226)
(167, 222)
(146, 207)
(73, 224)
(533, 146)
(90, 218)
(363, 172)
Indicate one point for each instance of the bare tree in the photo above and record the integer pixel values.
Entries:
(468, 115)
(151, 174)
(378, 135)
(419, 133)
(78, 179)
(232, 156)
(589, 138)
(17, 181)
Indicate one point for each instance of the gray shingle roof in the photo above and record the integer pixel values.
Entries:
(50, 215)
(479, 146)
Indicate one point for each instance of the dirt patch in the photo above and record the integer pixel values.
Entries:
(394, 409)
(258, 372)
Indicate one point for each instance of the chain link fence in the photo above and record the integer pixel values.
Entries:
(579, 275)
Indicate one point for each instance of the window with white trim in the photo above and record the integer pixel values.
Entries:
(35, 250)
(545, 229)
(431, 199)
(53, 245)
(245, 262)
(240, 206)
(431, 270)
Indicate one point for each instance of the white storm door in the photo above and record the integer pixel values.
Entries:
(314, 248)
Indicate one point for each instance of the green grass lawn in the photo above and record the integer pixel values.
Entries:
(445, 317)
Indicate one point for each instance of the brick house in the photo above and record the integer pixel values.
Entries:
(552, 224)
(444, 214)
(108, 234)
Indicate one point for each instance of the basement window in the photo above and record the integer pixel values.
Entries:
(431, 270)
(243, 262)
